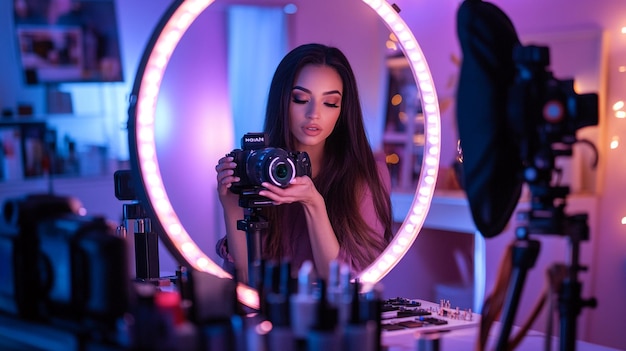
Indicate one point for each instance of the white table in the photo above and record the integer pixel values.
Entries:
(465, 339)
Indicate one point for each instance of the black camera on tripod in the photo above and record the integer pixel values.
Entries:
(58, 265)
(547, 111)
(257, 162)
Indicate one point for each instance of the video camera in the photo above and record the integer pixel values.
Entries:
(59, 265)
(514, 119)
(257, 162)
(546, 110)
(513, 116)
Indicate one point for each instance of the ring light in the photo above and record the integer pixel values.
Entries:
(144, 163)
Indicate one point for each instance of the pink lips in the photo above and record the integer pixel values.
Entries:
(311, 130)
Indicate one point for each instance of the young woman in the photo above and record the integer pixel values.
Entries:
(343, 211)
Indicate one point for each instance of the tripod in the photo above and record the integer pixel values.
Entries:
(144, 241)
(546, 218)
(255, 226)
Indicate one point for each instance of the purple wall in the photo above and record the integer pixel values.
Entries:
(433, 23)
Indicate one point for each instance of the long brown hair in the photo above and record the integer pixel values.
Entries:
(348, 167)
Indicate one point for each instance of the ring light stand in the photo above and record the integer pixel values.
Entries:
(142, 109)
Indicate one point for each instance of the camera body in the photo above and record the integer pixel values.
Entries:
(257, 162)
(57, 264)
(546, 112)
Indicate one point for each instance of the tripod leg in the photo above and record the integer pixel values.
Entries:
(570, 301)
(255, 226)
(524, 255)
(253, 239)
(569, 308)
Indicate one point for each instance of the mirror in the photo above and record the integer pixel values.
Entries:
(179, 120)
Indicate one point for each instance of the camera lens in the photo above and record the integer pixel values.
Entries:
(281, 171)
(271, 165)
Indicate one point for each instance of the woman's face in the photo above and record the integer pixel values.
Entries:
(314, 106)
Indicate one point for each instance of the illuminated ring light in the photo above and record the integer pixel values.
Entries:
(144, 163)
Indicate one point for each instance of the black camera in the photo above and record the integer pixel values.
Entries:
(124, 185)
(546, 110)
(257, 162)
(59, 265)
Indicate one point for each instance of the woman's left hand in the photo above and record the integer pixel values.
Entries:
(301, 189)
(324, 244)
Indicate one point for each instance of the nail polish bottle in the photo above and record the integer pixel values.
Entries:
(324, 336)
(344, 295)
(371, 309)
(303, 305)
(281, 336)
(359, 334)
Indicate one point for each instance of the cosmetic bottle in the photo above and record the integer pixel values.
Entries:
(238, 322)
(281, 336)
(343, 299)
(170, 305)
(303, 305)
(258, 325)
(269, 283)
(358, 334)
(148, 316)
(324, 336)
(371, 309)
(256, 329)
(332, 286)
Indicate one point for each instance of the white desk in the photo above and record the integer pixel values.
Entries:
(465, 339)
(449, 211)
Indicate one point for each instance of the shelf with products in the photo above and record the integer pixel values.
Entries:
(403, 138)
(404, 152)
(67, 145)
(96, 193)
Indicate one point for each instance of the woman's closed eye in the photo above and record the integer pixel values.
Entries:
(297, 100)
(301, 101)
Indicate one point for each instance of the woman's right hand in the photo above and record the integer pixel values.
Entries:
(237, 247)
(225, 177)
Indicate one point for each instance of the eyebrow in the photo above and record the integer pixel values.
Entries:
(297, 87)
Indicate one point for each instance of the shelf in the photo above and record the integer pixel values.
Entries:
(45, 118)
(42, 184)
(96, 193)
